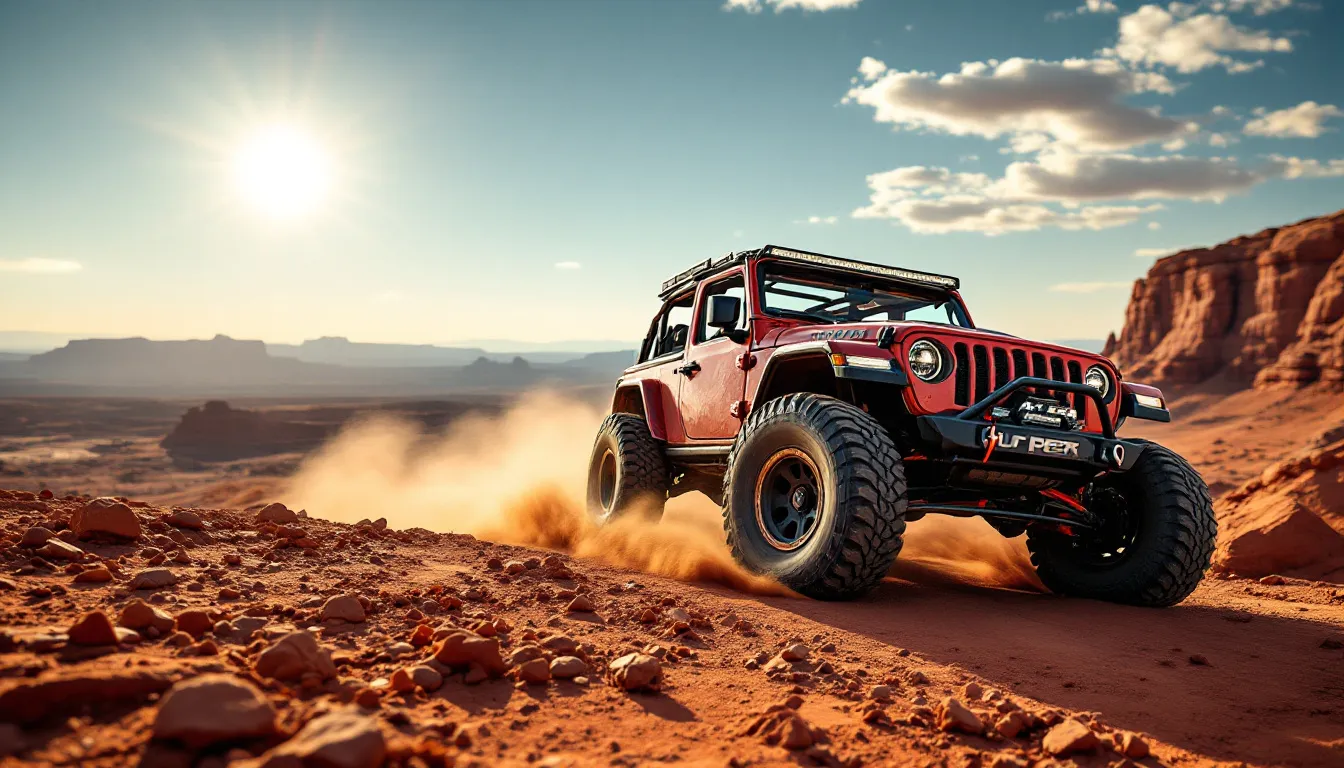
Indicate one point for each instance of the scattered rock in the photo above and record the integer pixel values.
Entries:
(581, 604)
(141, 615)
(294, 656)
(35, 537)
(57, 549)
(954, 716)
(97, 575)
(93, 628)
(566, 667)
(468, 649)
(107, 516)
(194, 622)
(536, 671)
(184, 519)
(154, 578)
(211, 708)
(1131, 745)
(795, 652)
(635, 672)
(277, 513)
(343, 607)
(344, 739)
(1069, 737)
(782, 726)
(1010, 725)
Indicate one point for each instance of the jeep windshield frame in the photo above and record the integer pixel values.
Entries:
(815, 294)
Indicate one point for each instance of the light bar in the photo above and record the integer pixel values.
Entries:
(910, 276)
(682, 277)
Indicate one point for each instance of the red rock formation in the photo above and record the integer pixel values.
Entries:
(1266, 308)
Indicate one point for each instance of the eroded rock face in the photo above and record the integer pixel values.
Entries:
(1262, 309)
(213, 708)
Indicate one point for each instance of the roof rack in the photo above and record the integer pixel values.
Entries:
(690, 276)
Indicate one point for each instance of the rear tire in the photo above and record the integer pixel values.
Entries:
(1168, 546)
(815, 496)
(627, 471)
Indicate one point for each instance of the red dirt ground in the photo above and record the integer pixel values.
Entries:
(1240, 673)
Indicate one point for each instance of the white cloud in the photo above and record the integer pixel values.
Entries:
(1300, 168)
(37, 266)
(1258, 7)
(1306, 120)
(1154, 225)
(1093, 287)
(1070, 177)
(568, 265)
(819, 220)
(970, 213)
(755, 6)
(1153, 36)
(1077, 102)
(1089, 6)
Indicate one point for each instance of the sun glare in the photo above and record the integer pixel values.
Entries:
(282, 172)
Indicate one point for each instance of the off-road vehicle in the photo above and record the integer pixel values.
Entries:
(825, 403)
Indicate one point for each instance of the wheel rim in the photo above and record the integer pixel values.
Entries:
(789, 499)
(606, 481)
(1113, 542)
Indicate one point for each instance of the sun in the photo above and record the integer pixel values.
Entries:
(282, 171)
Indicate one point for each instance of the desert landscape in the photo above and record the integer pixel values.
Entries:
(365, 582)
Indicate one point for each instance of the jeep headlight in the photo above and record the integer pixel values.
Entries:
(1098, 379)
(927, 360)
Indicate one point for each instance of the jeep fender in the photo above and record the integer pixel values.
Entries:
(643, 398)
(815, 361)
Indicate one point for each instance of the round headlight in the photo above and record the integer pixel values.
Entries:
(926, 360)
(1097, 379)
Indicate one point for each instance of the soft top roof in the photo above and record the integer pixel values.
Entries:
(709, 266)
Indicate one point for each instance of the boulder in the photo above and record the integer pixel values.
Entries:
(141, 615)
(277, 513)
(567, 667)
(635, 672)
(462, 649)
(954, 716)
(93, 628)
(105, 516)
(343, 607)
(343, 739)
(1069, 737)
(153, 578)
(294, 656)
(212, 708)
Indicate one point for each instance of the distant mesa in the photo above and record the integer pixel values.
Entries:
(1260, 310)
(217, 432)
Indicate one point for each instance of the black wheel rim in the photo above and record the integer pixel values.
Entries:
(1113, 541)
(789, 499)
(606, 481)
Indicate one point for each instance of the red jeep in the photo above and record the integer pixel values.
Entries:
(825, 402)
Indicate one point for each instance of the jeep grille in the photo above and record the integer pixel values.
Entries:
(982, 368)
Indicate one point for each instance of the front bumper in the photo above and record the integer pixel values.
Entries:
(968, 435)
(1051, 450)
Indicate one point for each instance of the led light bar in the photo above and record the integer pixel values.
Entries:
(908, 275)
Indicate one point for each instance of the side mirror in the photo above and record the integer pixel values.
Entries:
(723, 312)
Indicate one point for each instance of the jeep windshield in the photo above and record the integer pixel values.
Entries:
(831, 297)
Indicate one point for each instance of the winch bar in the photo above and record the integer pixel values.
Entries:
(977, 411)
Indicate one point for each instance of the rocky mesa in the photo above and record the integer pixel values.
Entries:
(1259, 310)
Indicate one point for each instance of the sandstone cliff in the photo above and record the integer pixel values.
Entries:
(1264, 309)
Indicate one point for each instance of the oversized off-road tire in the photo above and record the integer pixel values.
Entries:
(1155, 543)
(627, 472)
(815, 496)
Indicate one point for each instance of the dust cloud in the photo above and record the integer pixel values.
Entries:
(942, 549)
(516, 478)
(519, 477)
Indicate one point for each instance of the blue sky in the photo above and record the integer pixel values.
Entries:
(467, 149)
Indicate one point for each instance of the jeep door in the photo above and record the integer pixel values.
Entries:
(713, 383)
(661, 357)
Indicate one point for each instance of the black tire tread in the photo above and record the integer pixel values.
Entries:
(870, 482)
(1182, 552)
(643, 463)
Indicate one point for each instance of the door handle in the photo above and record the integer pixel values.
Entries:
(690, 369)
